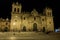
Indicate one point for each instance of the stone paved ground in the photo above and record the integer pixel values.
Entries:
(29, 36)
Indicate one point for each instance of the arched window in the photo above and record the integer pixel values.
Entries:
(42, 19)
(18, 10)
(6, 23)
(24, 18)
(14, 9)
(34, 18)
(49, 13)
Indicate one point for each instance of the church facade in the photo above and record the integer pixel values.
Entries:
(30, 21)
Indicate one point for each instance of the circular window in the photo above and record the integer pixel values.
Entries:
(42, 19)
(15, 20)
(50, 22)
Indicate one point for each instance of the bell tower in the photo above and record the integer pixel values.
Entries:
(16, 17)
(49, 19)
(16, 7)
(48, 11)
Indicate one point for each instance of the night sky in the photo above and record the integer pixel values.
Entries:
(28, 5)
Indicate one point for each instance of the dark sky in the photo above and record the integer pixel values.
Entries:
(28, 5)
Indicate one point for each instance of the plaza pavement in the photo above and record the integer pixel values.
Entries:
(29, 36)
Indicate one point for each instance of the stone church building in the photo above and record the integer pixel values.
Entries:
(28, 21)
(31, 21)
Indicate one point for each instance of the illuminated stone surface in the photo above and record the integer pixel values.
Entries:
(29, 36)
(28, 21)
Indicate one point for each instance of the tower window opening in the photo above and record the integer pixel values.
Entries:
(42, 19)
(14, 9)
(18, 10)
(49, 13)
(34, 18)
(24, 18)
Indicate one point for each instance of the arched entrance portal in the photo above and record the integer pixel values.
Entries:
(43, 29)
(34, 27)
(24, 28)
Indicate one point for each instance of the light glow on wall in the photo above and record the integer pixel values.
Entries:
(14, 23)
